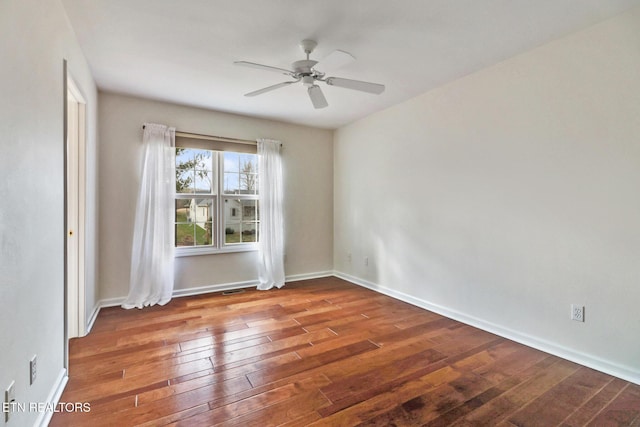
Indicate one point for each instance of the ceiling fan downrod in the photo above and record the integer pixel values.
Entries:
(308, 46)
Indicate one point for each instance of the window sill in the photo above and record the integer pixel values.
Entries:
(182, 252)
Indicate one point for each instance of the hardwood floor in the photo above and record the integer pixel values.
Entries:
(328, 353)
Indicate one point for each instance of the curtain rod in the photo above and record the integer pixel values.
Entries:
(214, 138)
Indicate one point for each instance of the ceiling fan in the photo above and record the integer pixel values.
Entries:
(309, 72)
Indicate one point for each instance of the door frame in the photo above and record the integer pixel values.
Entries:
(74, 210)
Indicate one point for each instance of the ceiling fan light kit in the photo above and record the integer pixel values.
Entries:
(309, 72)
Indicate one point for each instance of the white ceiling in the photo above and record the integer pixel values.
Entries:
(182, 51)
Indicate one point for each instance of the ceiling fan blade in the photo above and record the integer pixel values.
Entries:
(269, 88)
(374, 88)
(317, 98)
(335, 60)
(263, 67)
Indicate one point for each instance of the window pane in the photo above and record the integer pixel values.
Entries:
(184, 170)
(203, 181)
(183, 155)
(248, 210)
(232, 233)
(232, 220)
(231, 183)
(184, 229)
(248, 173)
(185, 234)
(248, 183)
(203, 210)
(231, 162)
(182, 210)
(184, 181)
(249, 232)
(204, 234)
(202, 159)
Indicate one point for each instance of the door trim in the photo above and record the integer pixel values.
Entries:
(74, 207)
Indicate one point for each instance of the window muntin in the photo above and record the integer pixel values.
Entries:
(204, 219)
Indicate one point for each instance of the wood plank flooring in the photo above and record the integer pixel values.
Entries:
(323, 352)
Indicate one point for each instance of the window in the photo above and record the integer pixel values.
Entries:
(216, 200)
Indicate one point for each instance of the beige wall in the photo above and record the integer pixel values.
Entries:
(35, 38)
(308, 171)
(506, 196)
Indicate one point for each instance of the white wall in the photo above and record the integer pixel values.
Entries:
(507, 195)
(307, 157)
(35, 37)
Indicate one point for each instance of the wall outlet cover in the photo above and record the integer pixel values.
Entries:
(33, 369)
(577, 312)
(9, 397)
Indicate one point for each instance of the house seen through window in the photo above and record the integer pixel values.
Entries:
(216, 200)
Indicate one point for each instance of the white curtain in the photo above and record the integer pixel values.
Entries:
(271, 241)
(151, 279)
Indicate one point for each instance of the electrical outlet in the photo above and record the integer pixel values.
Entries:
(9, 401)
(366, 261)
(349, 257)
(32, 369)
(577, 312)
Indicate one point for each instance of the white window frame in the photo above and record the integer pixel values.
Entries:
(219, 245)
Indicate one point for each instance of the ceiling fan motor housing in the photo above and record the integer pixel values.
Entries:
(303, 66)
(304, 70)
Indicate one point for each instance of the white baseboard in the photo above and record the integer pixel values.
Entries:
(110, 302)
(54, 397)
(93, 317)
(199, 290)
(308, 276)
(214, 288)
(587, 360)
